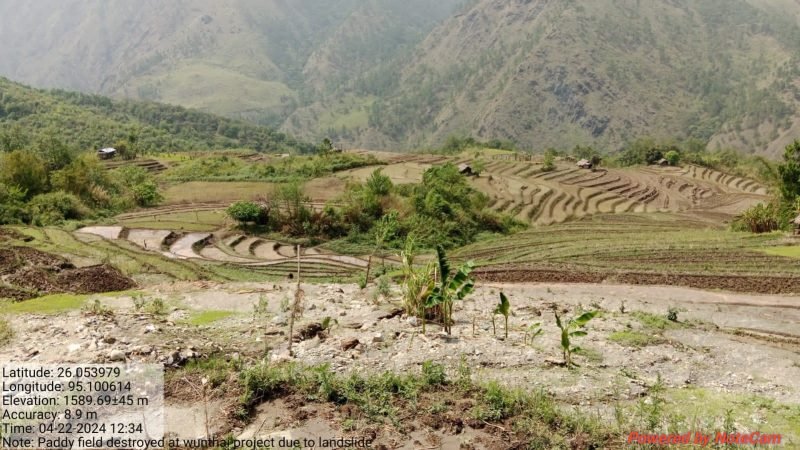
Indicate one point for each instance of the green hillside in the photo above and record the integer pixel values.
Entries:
(400, 74)
(603, 72)
(91, 121)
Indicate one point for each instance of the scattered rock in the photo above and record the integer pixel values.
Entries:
(174, 359)
(309, 331)
(377, 338)
(280, 357)
(349, 344)
(116, 355)
(279, 321)
(141, 350)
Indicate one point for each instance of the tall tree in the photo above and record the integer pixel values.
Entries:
(24, 170)
(789, 172)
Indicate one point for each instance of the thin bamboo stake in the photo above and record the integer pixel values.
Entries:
(297, 295)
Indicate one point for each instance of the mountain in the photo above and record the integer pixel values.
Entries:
(254, 59)
(91, 121)
(398, 74)
(561, 73)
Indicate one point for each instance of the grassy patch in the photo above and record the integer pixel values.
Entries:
(751, 412)
(386, 397)
(216, 191)
(208, 317)
(206, 220)
(654, 321)
(630, 338)
(49, 304)
(6, 332)
(792, 251)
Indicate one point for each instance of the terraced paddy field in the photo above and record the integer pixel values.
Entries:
(522, 190)
(658, 248)
(263, 257)
(156, 256)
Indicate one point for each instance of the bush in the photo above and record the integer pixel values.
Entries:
(56, 207)
(146, 194)
(549, 163)
(25, 170)
(12, 205)
(673, 157)
(378, 183)
(246, 212)
(763, 218)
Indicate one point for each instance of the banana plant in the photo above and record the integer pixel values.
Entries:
(535, 329)
(450, 288)
(571, 329)
(503, 308)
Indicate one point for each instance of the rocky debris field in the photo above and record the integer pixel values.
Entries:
(721, 346)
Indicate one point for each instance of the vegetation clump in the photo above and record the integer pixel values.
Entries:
(376, 215)
(223, 167)
(451, 287)
(6, 332)
(48, 188)
(533, 417)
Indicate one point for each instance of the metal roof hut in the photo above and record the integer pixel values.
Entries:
(465, 169)
(663, 162)
(585, 164)
(106, 153)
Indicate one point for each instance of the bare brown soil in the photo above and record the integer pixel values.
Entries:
(94, 279)
(28, 273)
(735, 283)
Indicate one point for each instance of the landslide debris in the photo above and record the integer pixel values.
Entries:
(28, 273)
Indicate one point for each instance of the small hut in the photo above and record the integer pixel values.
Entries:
(107, 153)
(465, 169)
(585, 164)
(796, 223)
(663, 162)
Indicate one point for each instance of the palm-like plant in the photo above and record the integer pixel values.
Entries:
(572, 329)
(503, 308)
(450, 288)
(417, 283)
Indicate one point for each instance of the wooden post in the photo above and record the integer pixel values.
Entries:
(293, 309)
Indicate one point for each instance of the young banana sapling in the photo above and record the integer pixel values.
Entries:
(570, 329)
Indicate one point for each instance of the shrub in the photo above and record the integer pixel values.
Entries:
(56, 207)
(673, 157)
(549, 163)
(24, 170)
(378, 183)
(146, 194)
(245, 212)
(12, 206)
(762, 218)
